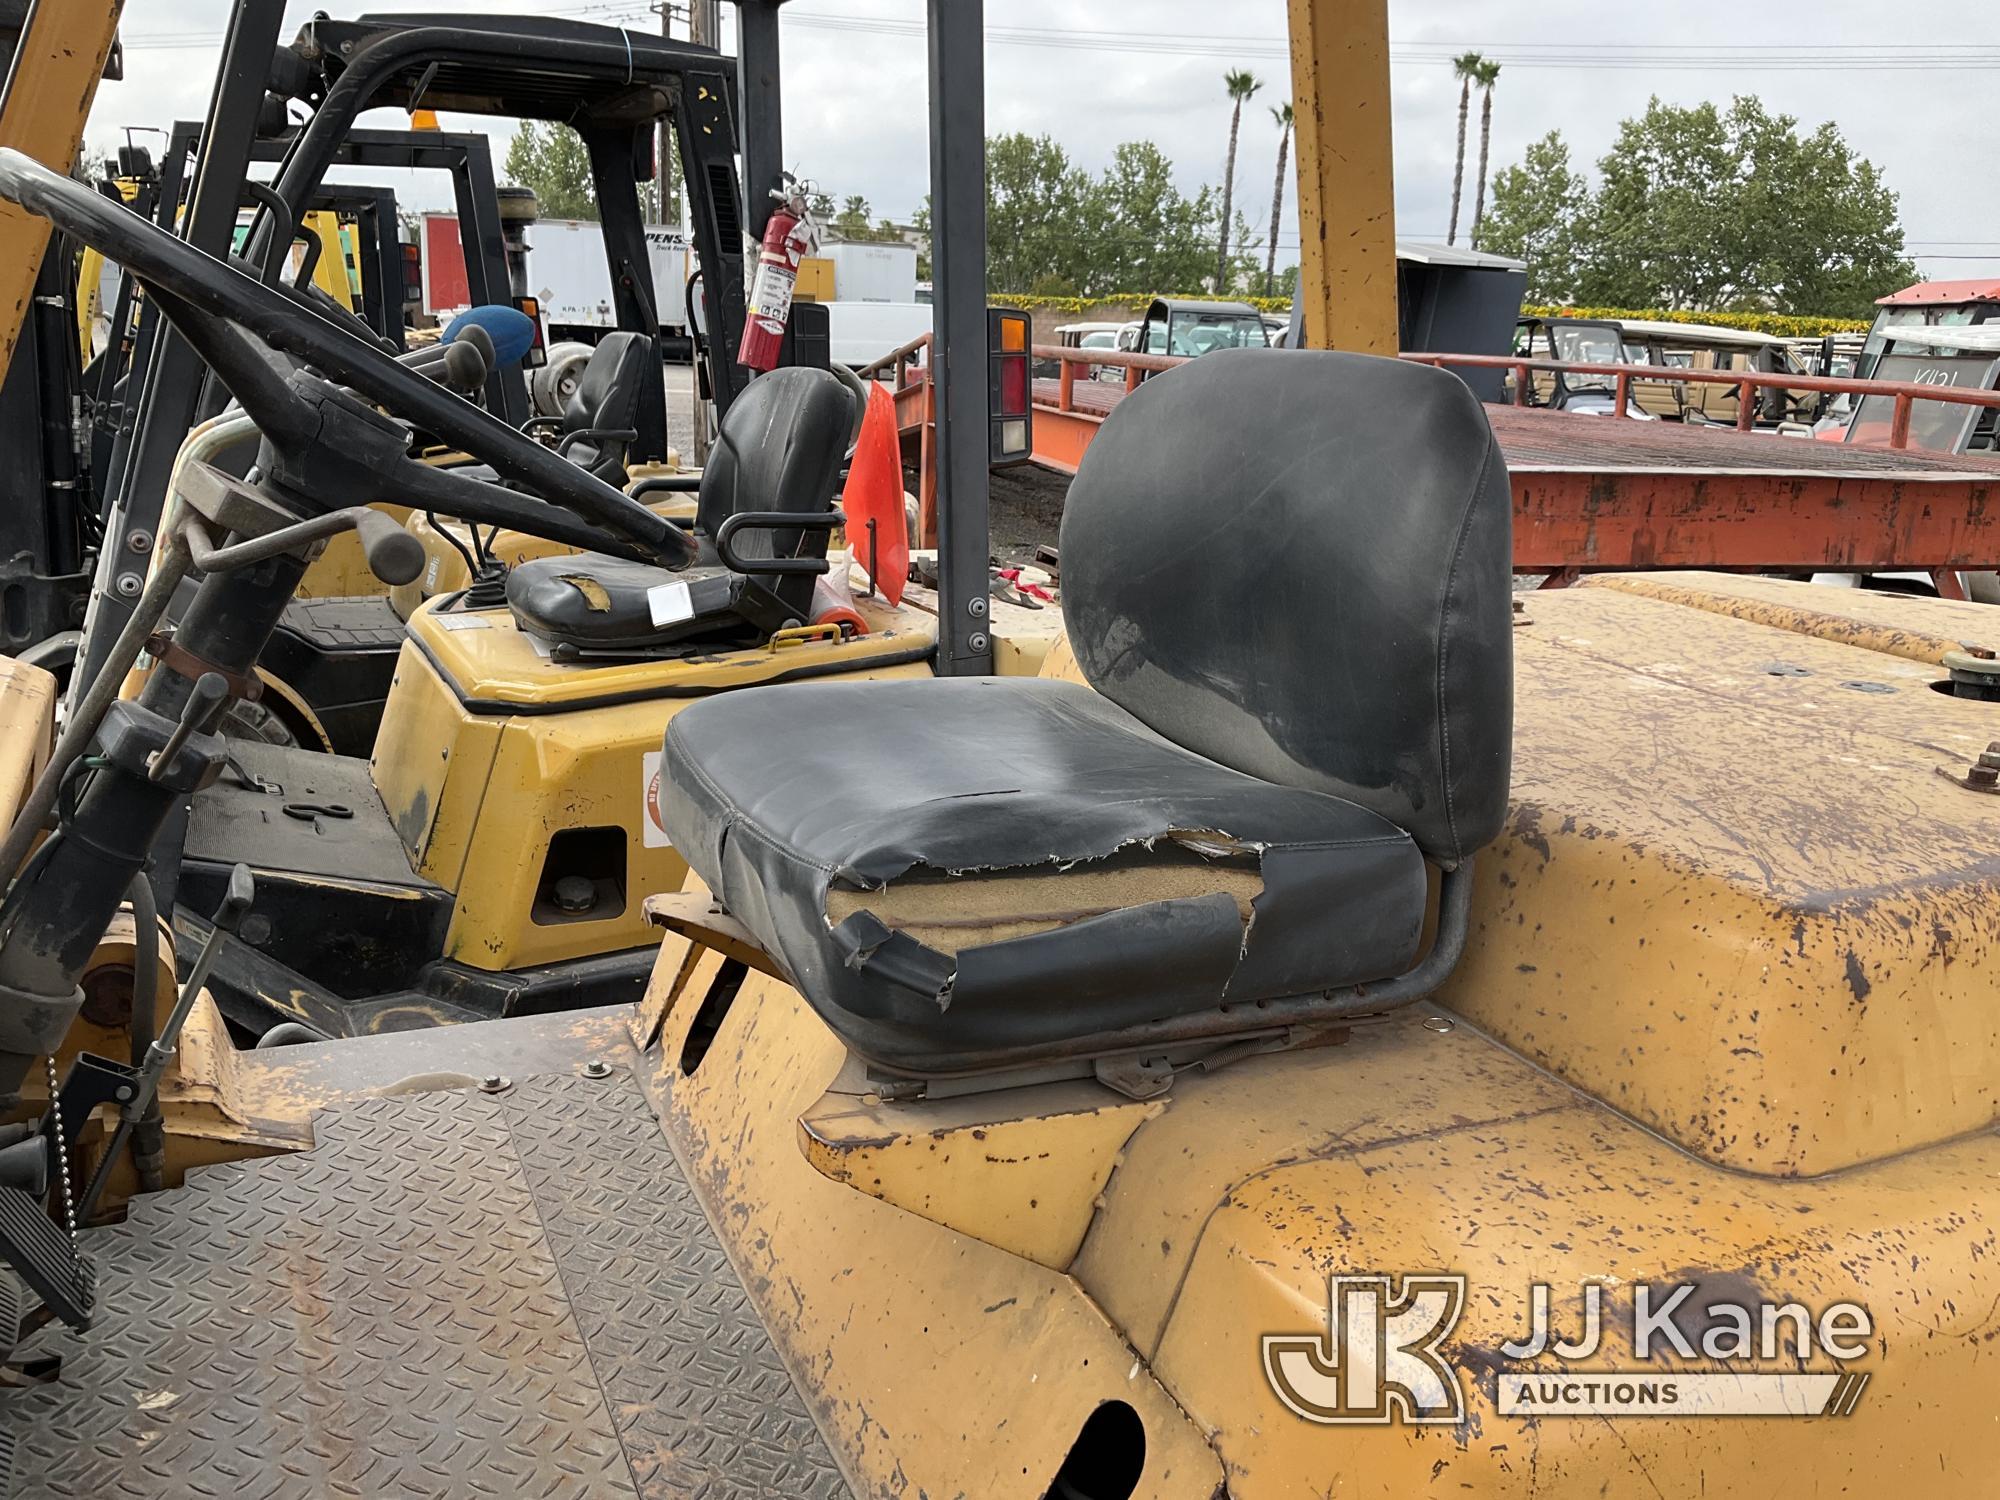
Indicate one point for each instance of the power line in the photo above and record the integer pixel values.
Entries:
(1892, 57)
(606, 12)
(1597, 56)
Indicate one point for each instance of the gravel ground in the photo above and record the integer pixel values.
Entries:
(1025, 510)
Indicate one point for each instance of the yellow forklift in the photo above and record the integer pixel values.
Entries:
(488, 850)
(1331, 1033)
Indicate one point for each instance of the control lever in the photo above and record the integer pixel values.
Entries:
(242, 891)
(209, 689)
(393, 555)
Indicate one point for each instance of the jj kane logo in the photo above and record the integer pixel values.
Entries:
(1381, 1356)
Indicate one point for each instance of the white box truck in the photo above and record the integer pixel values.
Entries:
(567, 271)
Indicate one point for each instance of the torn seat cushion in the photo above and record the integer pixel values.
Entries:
(959, 868)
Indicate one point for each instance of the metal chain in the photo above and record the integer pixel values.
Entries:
(61, 1150)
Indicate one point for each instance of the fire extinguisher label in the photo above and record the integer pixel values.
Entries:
(771, 296)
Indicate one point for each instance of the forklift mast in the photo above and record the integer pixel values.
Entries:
(609, 84)
(58, 55)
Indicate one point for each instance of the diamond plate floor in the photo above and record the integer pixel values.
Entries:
(451, 1295)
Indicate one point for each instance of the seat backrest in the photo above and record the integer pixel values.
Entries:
(780, 448)
(607, 398)
(1299, 564)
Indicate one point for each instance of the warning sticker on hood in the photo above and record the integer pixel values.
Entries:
(653, 831)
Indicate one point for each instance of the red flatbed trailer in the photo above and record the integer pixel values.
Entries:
(1599, 493)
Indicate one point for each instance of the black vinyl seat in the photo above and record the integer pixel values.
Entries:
(780, 449)
(1287, 577)
(600, 420)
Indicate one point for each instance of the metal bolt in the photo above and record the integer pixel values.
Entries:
(1439, 1024)
(129, 585)
(140, 541)
(976, 606)
(495, 1083)
(597, 1067)
(976, 641)
(1984, 773)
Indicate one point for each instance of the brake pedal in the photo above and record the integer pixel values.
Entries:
(46, 1258)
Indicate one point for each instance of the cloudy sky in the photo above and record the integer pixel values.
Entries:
(1097, 72)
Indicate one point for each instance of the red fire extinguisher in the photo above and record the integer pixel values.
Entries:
(789, 237)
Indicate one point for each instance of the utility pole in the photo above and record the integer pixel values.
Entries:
(666, 197)
(705, 22)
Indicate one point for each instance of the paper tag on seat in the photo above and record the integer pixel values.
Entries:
(670, 603)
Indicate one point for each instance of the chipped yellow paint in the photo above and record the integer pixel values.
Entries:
(1896, 624)
(1508, 1179)
(1346, 174)
(494, 664)
(431, 765)
(1734, 898)
(1060, 664)
(1020, 1168)
(477, 796)
(935, 1364)
(678, 968)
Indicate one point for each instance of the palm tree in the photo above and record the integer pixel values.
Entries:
(1465, 67)
(1489, 73)
(1283, 115)
(1241, 86)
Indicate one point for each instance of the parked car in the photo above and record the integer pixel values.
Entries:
(1174, 326)
(1581, 341)
(1087, 336)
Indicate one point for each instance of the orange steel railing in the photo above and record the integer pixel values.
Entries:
(1902, 393)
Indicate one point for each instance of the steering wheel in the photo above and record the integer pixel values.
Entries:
(321, 443)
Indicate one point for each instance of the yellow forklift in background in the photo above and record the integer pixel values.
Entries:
(487, 852)
(1331, 1032)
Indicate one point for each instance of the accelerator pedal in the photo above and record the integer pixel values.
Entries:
(43, 1256)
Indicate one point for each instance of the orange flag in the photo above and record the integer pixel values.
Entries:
(875, 493)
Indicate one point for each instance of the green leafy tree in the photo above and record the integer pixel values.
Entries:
(1148, 235)
(1827, 235)
(1282, 115)
(1240, 85)
(1465, 67)
(1489, 74)
(1706, 208)
(1541, 213)
(920, 225)
(1246, 254)
(1039, 218)
(1054, 230)
(853, 222)
(1711, 208)
(553, 160)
